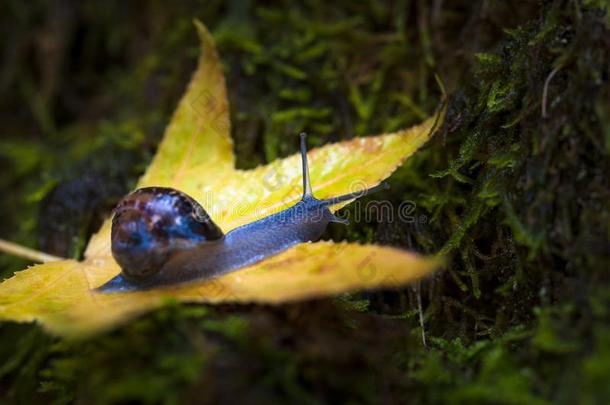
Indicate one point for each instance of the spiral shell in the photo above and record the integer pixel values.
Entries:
(152, 223)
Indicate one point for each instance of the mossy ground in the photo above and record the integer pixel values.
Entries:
(514, 188)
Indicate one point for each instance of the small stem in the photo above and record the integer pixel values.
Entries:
(27, 253)
(420, 310)
(545, 90)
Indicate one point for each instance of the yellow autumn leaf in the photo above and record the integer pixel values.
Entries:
(196, 156)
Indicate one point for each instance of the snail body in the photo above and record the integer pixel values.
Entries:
(161, 237)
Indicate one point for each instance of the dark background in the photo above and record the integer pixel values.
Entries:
(514, 188)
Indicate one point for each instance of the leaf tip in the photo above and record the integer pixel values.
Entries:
(207, 41)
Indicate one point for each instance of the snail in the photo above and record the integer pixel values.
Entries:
(161, 237)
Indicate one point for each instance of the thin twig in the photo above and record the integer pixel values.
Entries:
(417, 288)
(545, 90)
(27, 253)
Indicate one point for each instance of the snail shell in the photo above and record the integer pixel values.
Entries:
(153, 223)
